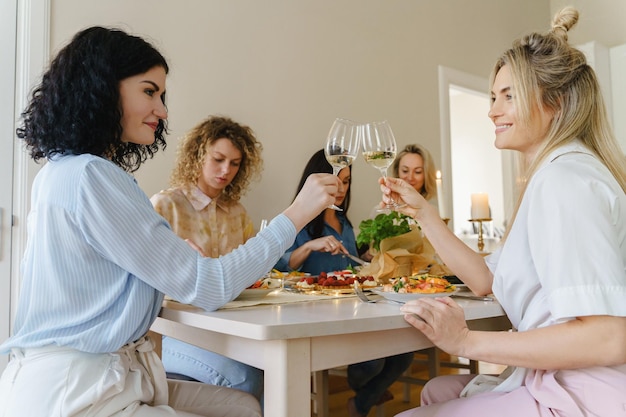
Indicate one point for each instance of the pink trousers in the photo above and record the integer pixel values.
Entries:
(597, 392)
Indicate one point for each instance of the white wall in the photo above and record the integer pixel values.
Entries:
(600, 20)
(289, 68)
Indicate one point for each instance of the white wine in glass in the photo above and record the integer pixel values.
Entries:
(379, 148)
(342, 146)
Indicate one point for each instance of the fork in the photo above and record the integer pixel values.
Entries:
(359, 292)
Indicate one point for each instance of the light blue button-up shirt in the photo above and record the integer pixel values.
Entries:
(99, 259)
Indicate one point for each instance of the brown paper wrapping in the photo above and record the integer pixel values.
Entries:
(403, 255)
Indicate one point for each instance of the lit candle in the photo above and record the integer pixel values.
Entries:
(440, 200)
(480, 206)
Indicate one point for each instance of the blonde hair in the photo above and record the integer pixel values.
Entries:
(194, 147)
(549, 74)
(429, 189)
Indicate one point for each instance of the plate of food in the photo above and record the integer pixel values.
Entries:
(259, 289)
(404, 289)
(335, 282)
(254, 293)
(408, 296)
(291, 276)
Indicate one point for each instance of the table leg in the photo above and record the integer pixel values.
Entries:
(288, 378)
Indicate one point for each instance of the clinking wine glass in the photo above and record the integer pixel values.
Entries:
(342, 146)
(379, 149)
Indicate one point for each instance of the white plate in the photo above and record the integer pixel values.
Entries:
(404, 297)
(254, 293)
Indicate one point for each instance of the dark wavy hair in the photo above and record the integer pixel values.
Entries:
(76, 107)
(319, 164)
(193, 149)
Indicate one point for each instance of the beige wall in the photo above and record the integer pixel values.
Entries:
(288, 68)
(602, 21)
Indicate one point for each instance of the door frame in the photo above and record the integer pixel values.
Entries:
(26, 32)
(8, 44)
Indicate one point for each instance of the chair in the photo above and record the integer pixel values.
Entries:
(157, 340)
(319, 393)
(430, 357)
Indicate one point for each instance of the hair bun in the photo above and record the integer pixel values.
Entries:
(564, 20)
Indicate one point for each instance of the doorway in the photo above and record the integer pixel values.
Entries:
(470, 162)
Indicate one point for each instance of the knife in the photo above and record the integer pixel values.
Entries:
(357, 260)
(472, 297)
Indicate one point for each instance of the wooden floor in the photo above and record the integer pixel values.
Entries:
(339, 392)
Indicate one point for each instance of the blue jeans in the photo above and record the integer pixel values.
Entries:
(211, 368)
(369, 380)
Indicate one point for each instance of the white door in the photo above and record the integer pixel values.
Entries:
(8, 13)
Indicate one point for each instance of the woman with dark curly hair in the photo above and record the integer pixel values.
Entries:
(215, 162)
(99, 258)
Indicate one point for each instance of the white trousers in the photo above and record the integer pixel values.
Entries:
(63, 382)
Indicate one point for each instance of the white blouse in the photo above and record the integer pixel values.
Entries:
(565, 255)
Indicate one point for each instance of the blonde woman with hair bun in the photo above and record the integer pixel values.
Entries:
(560, 273)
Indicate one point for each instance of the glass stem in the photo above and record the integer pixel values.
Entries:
(393, 203)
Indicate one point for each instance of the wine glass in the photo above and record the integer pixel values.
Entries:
(342, 146)
(379, 149)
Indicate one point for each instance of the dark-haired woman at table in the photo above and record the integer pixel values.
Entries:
(318, 248)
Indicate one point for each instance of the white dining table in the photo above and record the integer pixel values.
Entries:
(289, 341)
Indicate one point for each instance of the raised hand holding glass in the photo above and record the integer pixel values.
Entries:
(342, 146)
(379, 148)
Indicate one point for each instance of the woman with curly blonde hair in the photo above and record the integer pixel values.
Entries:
(196, 145)
(214, 165)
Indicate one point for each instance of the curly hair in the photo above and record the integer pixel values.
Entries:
(318, 164)
(429, 189)
(76, 107)
(194, 147)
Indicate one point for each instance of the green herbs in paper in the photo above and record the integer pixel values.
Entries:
(384, 225)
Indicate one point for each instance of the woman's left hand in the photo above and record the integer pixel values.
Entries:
(441, 320)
